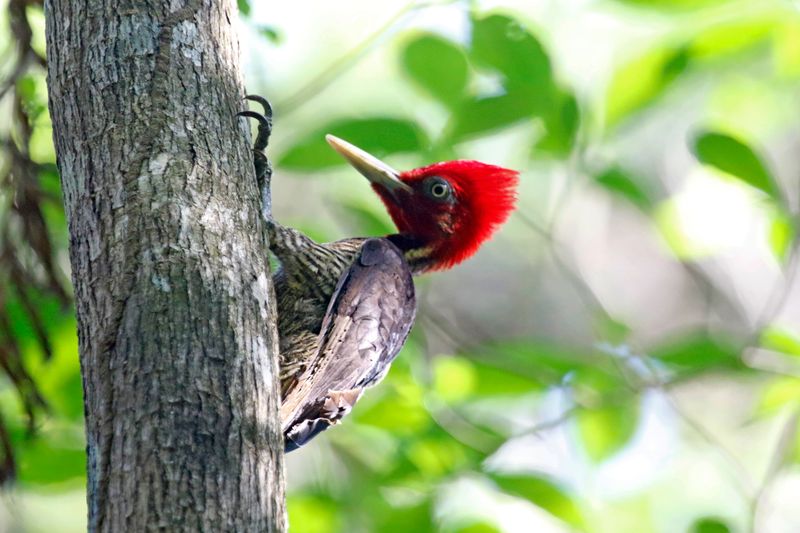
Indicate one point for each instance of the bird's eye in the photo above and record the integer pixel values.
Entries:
(439, 189)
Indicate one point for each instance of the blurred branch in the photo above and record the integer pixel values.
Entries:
(459, 427)
(556, 251)
(8, 463)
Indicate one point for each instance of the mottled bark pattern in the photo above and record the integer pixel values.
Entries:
(176, 325)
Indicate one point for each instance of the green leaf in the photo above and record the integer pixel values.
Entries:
(710, 525)
(543, 493)
(436, 457)
(539, 362)
(699, 352)
(270, 33)
(605, 430)
(786, 49)
(404, 519)
(477, 527)
(26, 87)
(479, 115)
(779, 393)
(494, 381)
(310, 513)
(780, 340)
(501, 43)
(620, 183)
(244, 7)
(454, 379)
(52, 457)
(608, 329)
(437, 65)
(675, 4)
(399, 409)
(781, 236)
(724, 40)
(733, 157)
(458, 378)
(641, 81)
(561, 119)
(381, 136)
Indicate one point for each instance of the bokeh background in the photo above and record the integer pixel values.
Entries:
(623, 357)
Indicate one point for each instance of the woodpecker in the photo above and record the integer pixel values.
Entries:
(345, 308)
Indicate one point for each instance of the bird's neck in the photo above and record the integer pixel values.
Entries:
(417, 252)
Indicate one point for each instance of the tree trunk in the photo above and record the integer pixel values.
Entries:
(174, 300)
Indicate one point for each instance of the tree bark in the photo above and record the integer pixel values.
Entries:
(174, 300)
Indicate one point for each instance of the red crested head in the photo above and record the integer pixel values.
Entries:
(444, 211)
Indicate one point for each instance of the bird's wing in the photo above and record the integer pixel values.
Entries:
(367, 322)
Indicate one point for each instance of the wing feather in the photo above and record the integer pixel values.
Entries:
(367, 322)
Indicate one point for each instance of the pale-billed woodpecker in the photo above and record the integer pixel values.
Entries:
(345, 308)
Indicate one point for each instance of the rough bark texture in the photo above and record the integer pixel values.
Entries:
(174, 299)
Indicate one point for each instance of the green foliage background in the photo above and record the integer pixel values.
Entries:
(622, 357)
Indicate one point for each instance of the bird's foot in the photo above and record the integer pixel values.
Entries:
(260, 160)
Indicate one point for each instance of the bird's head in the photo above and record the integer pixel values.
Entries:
(444, 211)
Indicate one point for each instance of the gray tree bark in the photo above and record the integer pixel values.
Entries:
(174, 300)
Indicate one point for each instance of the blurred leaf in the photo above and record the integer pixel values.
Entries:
(675, 4)
(400, 408)
(639, 82)
(722, 40)
(437, 65)
(786, 49)
(28, 327)
(781, 236)
(244, 7)
(622, 184)
(779, 393)
(405, 519)
(458, 378)
(609, 329)
(543, 493)
(44, 460)
(503, 44)
(435, 458)
(733, 157)
(710, 525)
(780, 340)
(562, 120)
(605, 430)
(379, 136)
(454, 379)
(270, 33)
(699, 352)
(479, 115)
(60, 378)
(26, 87)
(540, 363)
(312, 514)
(496, 381)
(477, 527)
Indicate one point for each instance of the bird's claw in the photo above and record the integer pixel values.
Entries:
(264, 121)
(264, 103)
(260, 161)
